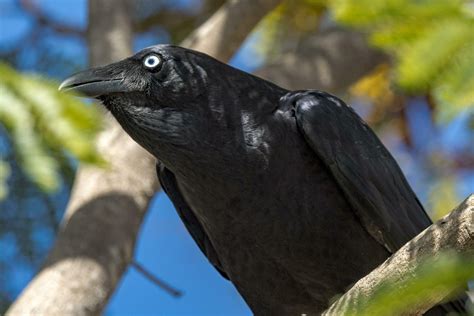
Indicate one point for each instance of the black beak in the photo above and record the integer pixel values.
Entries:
(94, 82)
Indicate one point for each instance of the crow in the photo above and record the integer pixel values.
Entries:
(289, 194)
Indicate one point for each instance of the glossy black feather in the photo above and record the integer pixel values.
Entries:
(195, 229)
(368, 175)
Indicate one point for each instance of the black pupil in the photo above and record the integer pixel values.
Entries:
(152, 61)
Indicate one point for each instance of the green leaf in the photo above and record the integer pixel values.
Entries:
(442, 196)
(432, 42)
(420, 63)
(32, 155)
(455, 91)
(46, 126)
(447, 273)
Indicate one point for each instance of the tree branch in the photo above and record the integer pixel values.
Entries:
(178, 23)
(228, 27)
(454, 232)
(155, 280)
(330, 60)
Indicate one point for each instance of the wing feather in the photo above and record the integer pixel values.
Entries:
(368, 175)
(194, 227)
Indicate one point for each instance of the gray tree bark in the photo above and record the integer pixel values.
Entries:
(96, 241)
(453, 233)
(228, 27)
(330, 60)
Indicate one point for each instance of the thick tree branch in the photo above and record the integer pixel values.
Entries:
(228, 27)
(178, 23)
(330, 60)
(454, 232)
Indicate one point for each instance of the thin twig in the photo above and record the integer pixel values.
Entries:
(160, 283)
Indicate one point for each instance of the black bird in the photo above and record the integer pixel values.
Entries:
(290, 195)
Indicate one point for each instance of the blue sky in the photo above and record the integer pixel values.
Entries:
(164, 246)
(167, 249)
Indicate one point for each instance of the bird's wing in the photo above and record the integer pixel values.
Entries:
(194, 227)
(368, 175)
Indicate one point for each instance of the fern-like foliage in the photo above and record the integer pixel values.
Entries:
(432, 42)
(44, 127)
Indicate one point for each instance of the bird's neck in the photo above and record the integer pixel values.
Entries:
(225, 128)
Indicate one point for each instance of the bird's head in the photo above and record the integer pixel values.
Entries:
(167, 96)
(158, 76)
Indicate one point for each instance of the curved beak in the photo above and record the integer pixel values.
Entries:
(94, 82)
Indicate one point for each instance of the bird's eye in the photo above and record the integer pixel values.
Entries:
(152, 61)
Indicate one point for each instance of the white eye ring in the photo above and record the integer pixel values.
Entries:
(151, 61)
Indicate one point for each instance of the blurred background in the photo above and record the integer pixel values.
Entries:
(407, 67)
